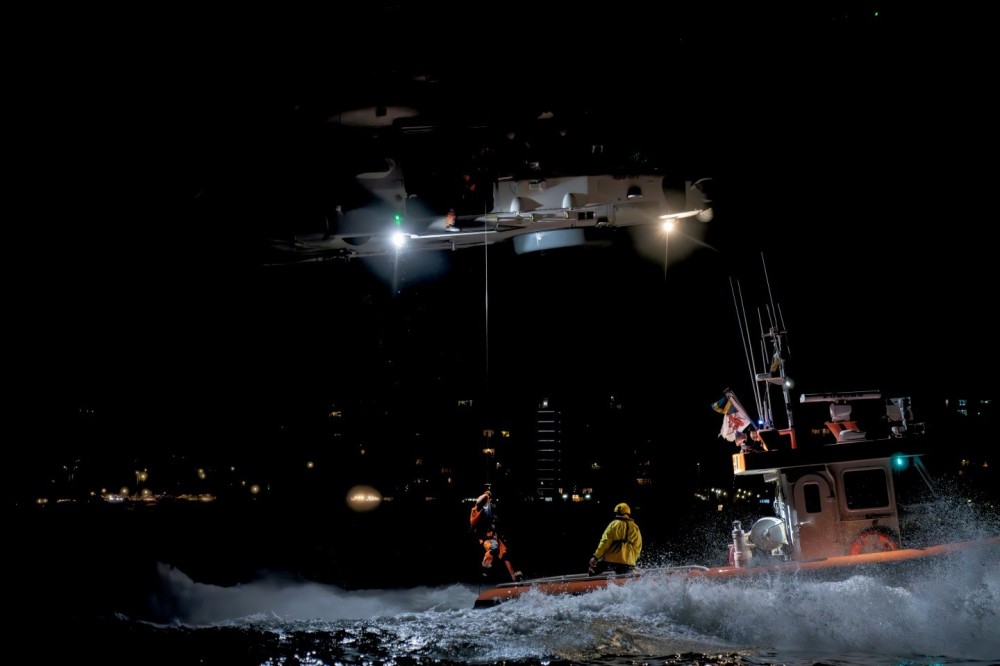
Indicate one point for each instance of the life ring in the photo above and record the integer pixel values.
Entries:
(874, 540)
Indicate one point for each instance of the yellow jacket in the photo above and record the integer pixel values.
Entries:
(621, 542)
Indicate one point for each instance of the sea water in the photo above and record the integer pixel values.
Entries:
(132, 587)
(946, 612)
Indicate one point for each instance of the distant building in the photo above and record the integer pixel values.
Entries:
(548, 451)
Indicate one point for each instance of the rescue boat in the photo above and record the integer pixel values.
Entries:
(836, 489)
(823, 568)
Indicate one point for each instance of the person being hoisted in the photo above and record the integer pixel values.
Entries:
(482, 523)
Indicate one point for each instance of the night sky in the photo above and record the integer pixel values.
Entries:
(839, 139)
(848, 145)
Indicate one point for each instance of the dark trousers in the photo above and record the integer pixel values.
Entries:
(604, 567)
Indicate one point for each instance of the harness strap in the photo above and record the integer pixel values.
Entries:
(620, 543)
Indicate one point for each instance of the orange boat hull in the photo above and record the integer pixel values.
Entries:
(827, 566)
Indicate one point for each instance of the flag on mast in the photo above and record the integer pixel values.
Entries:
(734, 418)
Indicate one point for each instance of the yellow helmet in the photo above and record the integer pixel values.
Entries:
(621, 509)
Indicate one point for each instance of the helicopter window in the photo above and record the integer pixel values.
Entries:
(810, 492)
(866, 489)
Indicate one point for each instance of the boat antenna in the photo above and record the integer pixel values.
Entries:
(765, 392)
(767, 281)
(744, 327)
(776, 335)
(781, 319)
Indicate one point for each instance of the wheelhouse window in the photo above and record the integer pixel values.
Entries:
(866, 489)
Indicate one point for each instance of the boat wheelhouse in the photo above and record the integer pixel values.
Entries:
(838, 497)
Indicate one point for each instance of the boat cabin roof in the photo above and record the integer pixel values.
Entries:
(763, 462)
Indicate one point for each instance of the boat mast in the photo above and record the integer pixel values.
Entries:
(778, 351)
(744, 327)
(760, 378)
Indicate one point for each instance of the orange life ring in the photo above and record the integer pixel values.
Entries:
(874, 540)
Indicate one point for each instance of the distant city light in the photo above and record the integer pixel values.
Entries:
(362, 498)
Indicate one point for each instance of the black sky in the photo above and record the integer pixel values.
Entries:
(848, 148)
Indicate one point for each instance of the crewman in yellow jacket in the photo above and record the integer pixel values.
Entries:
(620, 545)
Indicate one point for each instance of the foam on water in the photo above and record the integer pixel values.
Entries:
(184, 601)
(950, 607)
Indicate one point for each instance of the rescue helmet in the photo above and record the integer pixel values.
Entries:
(621, 509)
